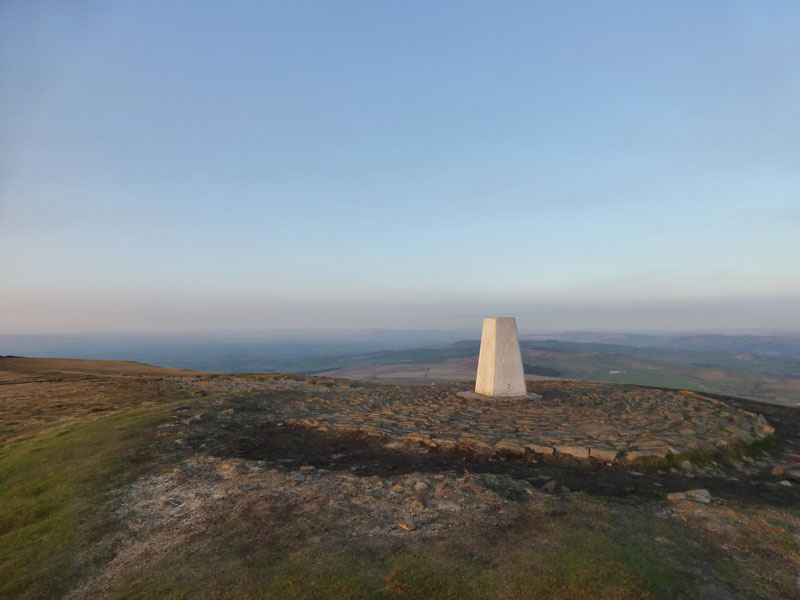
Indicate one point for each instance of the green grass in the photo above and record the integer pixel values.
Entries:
(53, 493)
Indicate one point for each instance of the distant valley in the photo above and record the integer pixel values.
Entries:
(772, 378)
(762, 367)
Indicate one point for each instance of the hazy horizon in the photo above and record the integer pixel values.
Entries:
(355, 165)
(473, 331)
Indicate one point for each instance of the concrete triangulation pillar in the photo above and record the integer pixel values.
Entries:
(500, 362)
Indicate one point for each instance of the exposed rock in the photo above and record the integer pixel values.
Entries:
(510, 446)
(602, 454)
(407, 524)
(444, 443)
(474, 485)
(701, 496)
(764, 426)
(576, 451)
(579, 419)
(476, 445)
(416, 439)
(540, 449)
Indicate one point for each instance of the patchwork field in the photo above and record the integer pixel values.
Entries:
(127, 481)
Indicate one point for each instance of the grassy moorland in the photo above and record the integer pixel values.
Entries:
(136, 487)
(57, 517)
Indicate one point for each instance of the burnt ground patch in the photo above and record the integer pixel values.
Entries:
(242, 427)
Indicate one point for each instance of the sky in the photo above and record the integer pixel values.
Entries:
(190, 165)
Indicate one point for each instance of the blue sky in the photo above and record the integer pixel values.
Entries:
(207, 165)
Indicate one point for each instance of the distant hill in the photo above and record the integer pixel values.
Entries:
(784, 346)
(764, 367)
(775, 380)
(235, 352)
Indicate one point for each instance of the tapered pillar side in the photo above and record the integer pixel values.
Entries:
(484, 382)
(500, 371)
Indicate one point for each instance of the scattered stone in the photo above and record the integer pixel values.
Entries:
(785, 483)
(764, 426)
(635, 455)
(602, 454)
(699, 495)
(550, 486)
(444, 444)
(416, 439)
(777, 470)
(472, 444)
(414, 505)
(368, 526)
(657, 450)
(687, 466)
(476, 486)
(407, 524)
(539, 449)
(576, 451)
(510, 446)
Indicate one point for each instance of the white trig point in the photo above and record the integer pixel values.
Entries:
(500, 362)
(500, 372)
